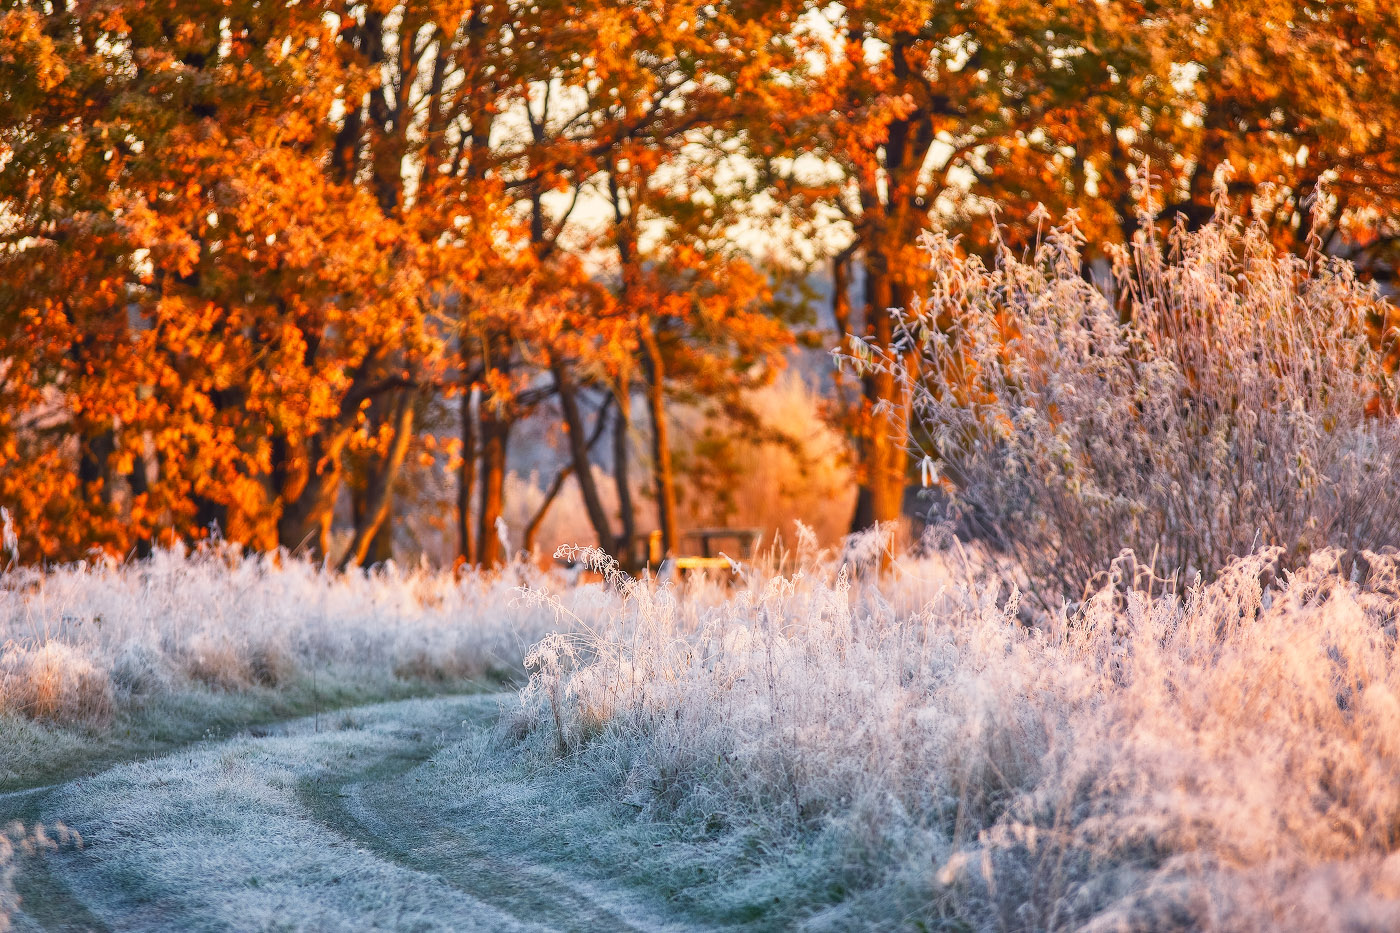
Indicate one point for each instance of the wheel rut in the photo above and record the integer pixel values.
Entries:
(309, 830)
(378, 808)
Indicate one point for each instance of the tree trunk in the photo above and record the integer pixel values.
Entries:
(211, 514)
(883, 440)
(532, 528)
(894, 207)
(140, 486)
(307, 482)
(379, 490)
(663, 476)
(466, 479)
(622, 425)
(305, 524)
(495, 433)
(95, 451)
(381, 547)
(583, 466)
(476, 150)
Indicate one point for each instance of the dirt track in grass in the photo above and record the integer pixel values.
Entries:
(308, 826)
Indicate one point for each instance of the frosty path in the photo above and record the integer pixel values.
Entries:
(303, 829)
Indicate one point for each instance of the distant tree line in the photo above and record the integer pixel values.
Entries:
(250, 250)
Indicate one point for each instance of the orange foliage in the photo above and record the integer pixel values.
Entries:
(250, 255)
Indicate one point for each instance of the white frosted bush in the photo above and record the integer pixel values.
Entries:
(1224, 759)
(1209, 397)
(79, 642)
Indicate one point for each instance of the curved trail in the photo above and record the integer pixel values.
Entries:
(307, 830)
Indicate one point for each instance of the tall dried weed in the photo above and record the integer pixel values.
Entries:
(1208, 397)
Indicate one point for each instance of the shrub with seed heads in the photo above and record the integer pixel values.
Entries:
(1204, 397)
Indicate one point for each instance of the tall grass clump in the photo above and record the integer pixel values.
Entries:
(83, 643)
(1207, 397)
(1223, 758)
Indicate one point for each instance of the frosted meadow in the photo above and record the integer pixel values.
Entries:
(812, 748)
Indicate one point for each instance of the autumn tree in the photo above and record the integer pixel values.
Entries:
(200, 304)
(1297, 97)
(616, 100)
(248, 252)
(911, 112)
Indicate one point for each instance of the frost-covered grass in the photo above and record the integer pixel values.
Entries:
(104, 659)
(883, 754)
(219, 838)
(811, 745)
(352, 824)
(18, 841)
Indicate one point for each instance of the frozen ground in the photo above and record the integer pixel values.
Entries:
(325, 826)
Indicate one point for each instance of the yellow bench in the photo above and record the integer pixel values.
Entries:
(689, 564)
